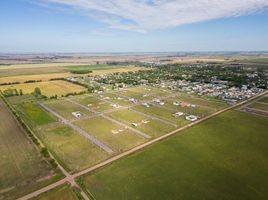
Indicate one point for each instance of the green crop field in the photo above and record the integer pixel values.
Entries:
(117, 137)
(64, 192)
(65, 109)
(259, 106)
(152, 127)
(224, 158)
(22, 167)
(72, 150)
(48, 88)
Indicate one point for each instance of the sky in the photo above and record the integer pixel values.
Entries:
(50, 26)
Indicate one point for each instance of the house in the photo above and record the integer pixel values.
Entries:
(146, 105)
(115, 105)
(176, 103)
(178, 114)
(157, 100)
(133, 100)
(134, 124)
(191, 118)
(77, 114)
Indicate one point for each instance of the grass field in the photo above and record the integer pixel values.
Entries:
(22, 167)
(64, 192)
(34, 114)
(200, 111)
(264, 99)
(259, 106)
(153, 127)
(224, 158)
(72, 150)
(48, 88)
(93, 103)
(115, 136)
(162, 113)
(65, 109)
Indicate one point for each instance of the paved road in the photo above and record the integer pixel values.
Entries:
(79, 130)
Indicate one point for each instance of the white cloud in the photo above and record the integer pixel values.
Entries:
(143, 15)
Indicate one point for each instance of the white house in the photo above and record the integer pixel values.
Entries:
(178, 114)
(191, 118)
(77, 114)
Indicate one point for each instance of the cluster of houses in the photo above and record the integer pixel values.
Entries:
(218, 89)
(191, 118)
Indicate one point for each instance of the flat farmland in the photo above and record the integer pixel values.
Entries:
(64, 192)
(43, 77)
(117, 137)
(221, 158)
(162, 113)
(145, 124)
(22, 167)
(93, 103)
(73, 151)
(65, 109)
(48, 88)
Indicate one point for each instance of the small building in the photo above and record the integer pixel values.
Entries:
(134, 124)
(133, 100)
(115, 105)
(176, 103)
(178, 114)
(77, 114)
(146, 105)
(161, 103)
(191, 118)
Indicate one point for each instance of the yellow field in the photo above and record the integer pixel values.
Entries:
(46, 77)
(194, 60)
(42, 77)
(121, 69)
(21, 66)
(48, 88)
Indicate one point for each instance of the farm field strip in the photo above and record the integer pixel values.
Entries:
(80, 131)
(23, 169)
(48, 88)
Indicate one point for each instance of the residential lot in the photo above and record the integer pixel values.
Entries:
(148, 125)
(119, 138)
(73, 151)
(22, 167)
(190, 163)
(48, 88)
